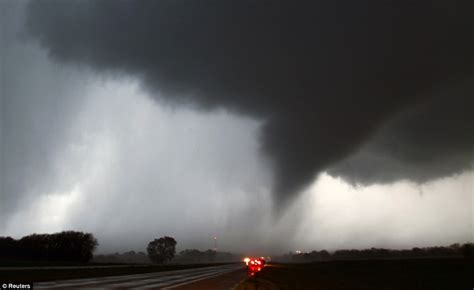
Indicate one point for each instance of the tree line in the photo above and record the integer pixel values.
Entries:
(131, 257)
(163, 250)
(75, 246)
(64, 246)
(196, 256)
(187, 256)
(455, 250)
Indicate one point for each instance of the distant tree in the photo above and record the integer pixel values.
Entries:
(130, 257)
(67, 246)
(71, 245)
(415, 252)
(8, 248)
(161, 250)
(324, 255)
(191, 255)
(467, 250)
(211, 255)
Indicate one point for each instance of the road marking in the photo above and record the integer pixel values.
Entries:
(146, 280)
(196, 280)
(125, 278)
(240, 282)
(158, 280)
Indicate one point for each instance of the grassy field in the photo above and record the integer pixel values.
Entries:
(366, 274)
(45, 274)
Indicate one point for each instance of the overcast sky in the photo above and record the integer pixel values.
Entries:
(273, 128)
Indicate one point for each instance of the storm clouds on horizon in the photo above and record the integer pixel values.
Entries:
(237, 106)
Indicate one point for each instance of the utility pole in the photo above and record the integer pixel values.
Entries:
(215, 243)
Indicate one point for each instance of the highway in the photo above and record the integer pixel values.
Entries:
(215, 277)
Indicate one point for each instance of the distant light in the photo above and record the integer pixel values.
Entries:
(246, 260)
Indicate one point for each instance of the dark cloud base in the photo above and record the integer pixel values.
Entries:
(323, 76)
(431, 140)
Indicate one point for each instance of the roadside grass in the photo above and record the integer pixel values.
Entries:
(366, 274)
(45, 274)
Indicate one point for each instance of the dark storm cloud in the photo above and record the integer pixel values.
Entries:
(431, 140)
(323, 76)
